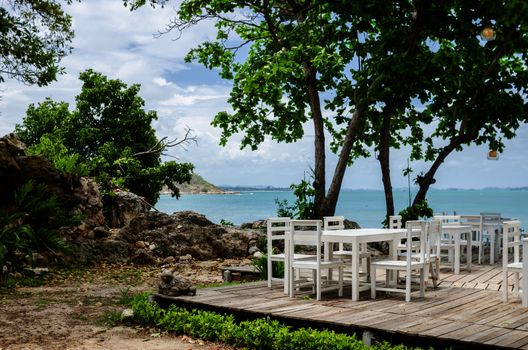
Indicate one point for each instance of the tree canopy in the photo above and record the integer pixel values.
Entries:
(34, 36)
(108, 135)
(372, 74)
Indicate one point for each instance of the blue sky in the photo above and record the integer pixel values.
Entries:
(120, 44)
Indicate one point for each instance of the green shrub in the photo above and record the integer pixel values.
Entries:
(31, 224)
(261, 265)
(262, 333)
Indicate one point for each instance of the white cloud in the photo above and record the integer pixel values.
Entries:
(120, 44)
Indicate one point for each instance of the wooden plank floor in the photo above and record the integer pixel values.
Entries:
(466, 310)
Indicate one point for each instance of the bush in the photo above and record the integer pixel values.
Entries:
(262, 333)
(31, 225)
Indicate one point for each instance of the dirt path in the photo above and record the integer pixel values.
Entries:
(75, 310)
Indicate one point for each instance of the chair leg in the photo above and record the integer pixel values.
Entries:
(269, 272)
(425, 271)
(340, 282)
(373, 282)
(315, 281)
(318, 284)
(516, 282)
(408, 288)
(423, 281)
(291, 279)
(437, 273)
(504, 285)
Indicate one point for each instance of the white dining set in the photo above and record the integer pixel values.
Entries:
(324, 256)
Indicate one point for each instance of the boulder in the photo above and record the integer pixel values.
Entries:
(124, 207)
(186, 233)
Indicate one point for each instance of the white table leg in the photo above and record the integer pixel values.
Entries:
(287, 269)
(457, 252)
(469, 251)
(355, 271)
(492, 245)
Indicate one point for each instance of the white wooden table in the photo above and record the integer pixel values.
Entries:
(355, 237)
(455, 232)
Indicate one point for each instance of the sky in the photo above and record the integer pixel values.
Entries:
(121, 44)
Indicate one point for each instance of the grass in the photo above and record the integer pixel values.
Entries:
(220, 284)
(11, 282)
(109, 319)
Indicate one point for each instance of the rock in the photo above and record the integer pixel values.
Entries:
(252, 250)
(38, 271)
(142, 257)
(127, 313)
(140, 244)
(169, 260)
(152, 247)
(124, 207)
(173, 285)
(101, 232)
(183, 233)
(257, 255)
(185, 258)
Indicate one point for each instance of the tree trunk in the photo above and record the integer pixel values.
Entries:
(428, 178)
(342, 163)
(319, 140)
(384, 161)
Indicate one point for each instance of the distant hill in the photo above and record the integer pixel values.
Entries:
(198, 185)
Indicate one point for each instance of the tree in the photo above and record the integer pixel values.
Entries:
(278, 85)
(373, 64)
(34, 37)
(110, 133)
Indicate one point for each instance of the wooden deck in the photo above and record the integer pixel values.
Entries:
(466, 311)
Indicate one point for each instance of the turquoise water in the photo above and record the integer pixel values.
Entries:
(367, 207)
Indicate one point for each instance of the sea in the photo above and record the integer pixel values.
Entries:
(366, 207)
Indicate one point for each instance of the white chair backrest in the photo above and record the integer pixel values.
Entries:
(306, 233)
(435, 236)
(491, 218)
(446, 219)
(277, 229)
(416, 229)
(395, 221)
(333, 223)
(511, 239)
(471, 219)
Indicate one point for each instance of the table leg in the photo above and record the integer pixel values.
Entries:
(287, 269)
(457, 252)
(469, 251)
(355, 271)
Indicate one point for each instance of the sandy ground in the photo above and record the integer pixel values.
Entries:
(72, 309)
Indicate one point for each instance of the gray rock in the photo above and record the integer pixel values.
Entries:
(252, 250)
(173, 285)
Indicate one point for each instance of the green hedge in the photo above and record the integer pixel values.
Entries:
(261, 333)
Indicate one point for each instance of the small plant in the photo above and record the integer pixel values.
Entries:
(226, 223)
(303, 207)
(261, 265)
(421, 210)
(110, 319)
(126, 297)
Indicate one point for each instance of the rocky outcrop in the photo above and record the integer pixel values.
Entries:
(124, 207)
(77, 196)
(184, 234)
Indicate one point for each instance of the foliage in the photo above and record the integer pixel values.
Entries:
(416, 212)
(31, 225)
(303, 207)
(262, 333)
(260, 264)
(34, 36)
(108, 135)
(226, 223)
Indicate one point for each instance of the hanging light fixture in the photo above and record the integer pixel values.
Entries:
(488, 34)
(493, 155)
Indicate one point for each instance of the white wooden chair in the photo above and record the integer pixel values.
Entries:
(447, 244)
(338, 223)
(434, 235)
(417, 230)
(475, 221)
(491, 233)
(308, 233)
(278, 229)
(512, 241)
